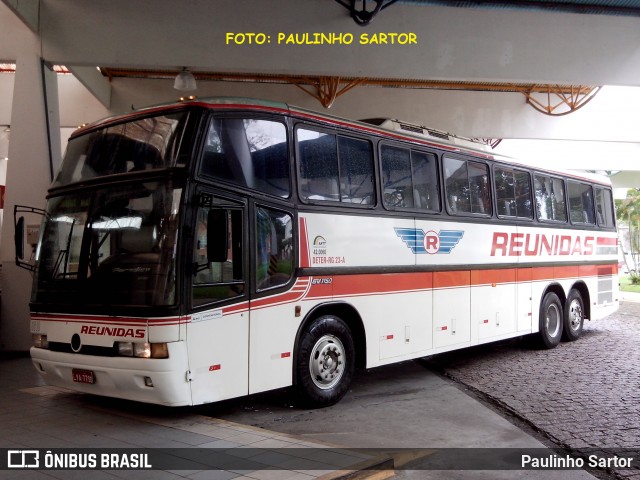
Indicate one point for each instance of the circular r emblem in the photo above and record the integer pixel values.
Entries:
(431, 242)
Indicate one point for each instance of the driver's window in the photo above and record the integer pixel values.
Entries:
(217, 280)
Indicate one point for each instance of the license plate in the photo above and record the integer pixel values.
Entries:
(83, 376)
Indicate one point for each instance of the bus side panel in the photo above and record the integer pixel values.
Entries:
(337, 241)
(451, 309)
(271, 342)
(272, 335)
(493, 303)
(218, 354)
(403, 321)
(524, 304)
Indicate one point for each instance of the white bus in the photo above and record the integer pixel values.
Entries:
(210, 249)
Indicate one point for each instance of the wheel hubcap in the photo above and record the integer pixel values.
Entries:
(575, 315)
(552, 321)
(326, 364)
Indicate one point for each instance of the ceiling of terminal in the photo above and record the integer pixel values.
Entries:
(550, 55)
(550, 99)
(599, 7)
(363, 14)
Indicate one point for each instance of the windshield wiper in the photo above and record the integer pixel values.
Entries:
(63, 255)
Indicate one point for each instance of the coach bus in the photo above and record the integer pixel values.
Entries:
(210, 249)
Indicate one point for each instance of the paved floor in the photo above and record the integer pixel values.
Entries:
(33, 415)
(591, 397)
(580, 395)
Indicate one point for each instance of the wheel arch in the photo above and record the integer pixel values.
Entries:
(346, 313)
(558, 290)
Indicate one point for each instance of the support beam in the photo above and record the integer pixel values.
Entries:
(95, 82)
(28, 177)
(26, 10)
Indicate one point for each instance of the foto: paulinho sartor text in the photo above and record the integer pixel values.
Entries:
(319, 38)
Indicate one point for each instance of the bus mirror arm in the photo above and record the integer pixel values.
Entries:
(217, 235)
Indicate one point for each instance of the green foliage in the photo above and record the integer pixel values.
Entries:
(628, 210)
(628, 213)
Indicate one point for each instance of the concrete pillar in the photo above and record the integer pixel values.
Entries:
(28, 176)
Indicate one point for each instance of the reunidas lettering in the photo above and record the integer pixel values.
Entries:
(113, 331)
(533, 245)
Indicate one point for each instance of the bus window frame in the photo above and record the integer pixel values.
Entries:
(438, 180)
(203, 178)
(255, 291)
(565, 196)
(513, 218)
(489, 187)
(593, 203)
(225, 200)
(608, 190)
(336, 133)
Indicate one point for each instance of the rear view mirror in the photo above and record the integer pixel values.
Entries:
(19, 233)
(217, 235)
(19, 239)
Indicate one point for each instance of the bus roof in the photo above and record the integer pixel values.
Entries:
(386, 127)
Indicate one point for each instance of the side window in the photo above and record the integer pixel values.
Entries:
(409, 179)
(221, 277)
(356, 170)
(581, 203)
(467, 186)
(274, 248)
(513, 192)
(318, 166)
(550, 198)
(251, 153)
(335, 168)
(604, 207)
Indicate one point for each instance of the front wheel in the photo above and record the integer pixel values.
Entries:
(573, 316)
(325, 361)
(551, 321)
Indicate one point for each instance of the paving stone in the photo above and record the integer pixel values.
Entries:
(580, 394)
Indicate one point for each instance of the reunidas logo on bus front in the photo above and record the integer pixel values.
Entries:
(430, 242)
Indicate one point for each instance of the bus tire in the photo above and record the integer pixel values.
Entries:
(325, 361)
(573, 316)
(551, 321)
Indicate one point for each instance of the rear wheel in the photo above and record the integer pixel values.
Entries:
(551, 321)
(325, 361)
(573, 316)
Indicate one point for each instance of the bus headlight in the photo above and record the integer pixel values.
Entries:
(40, 341)
(143, 350)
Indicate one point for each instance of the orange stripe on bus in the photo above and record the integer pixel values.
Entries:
(485, 277)
(451, 279)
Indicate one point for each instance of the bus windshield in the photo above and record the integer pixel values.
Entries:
(144, 144)
(110, 246)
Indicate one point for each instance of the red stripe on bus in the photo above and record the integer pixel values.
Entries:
(493, 277)
(379, 283)
(124, 321)
(305, 258)
(451, 279)
(606, 241)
